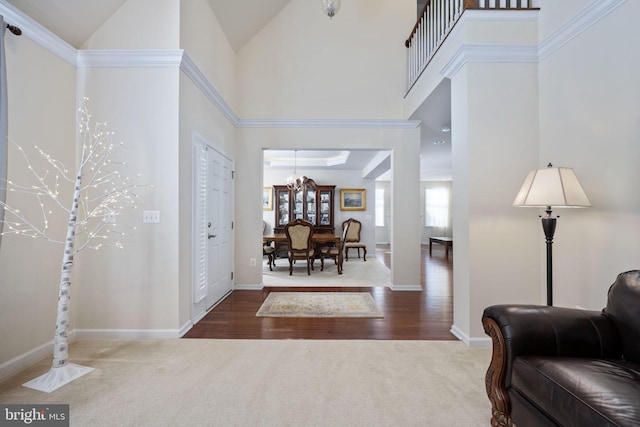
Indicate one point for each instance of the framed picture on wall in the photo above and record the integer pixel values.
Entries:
(353, 199)
(267, 198)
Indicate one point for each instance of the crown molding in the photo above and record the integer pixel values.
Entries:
(491, 53)
(191, 70)
(152, 58)
(330, 123)
(578, 24)
(496, 53)
(589, 16)
(37, 33)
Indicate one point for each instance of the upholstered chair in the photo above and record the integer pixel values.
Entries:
(268, 249)
(335, 251)
(353, 238)
(299, 234)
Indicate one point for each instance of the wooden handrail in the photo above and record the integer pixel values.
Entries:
(407, 43)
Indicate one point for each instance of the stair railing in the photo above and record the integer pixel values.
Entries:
(435, 22)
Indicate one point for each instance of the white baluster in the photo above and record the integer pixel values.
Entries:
(443, 22)
(432, 30)
(419, 48)
(427, 17)
(423, 43)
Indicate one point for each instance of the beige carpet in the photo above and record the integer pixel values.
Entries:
(319, 304)
(356, 273)
(269, 383)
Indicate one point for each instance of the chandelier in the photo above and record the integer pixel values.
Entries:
(295, 182)
(331, 7)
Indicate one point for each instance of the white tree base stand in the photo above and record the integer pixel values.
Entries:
(57, 377)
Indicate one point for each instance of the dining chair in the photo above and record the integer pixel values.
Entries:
(336, 250)
(299, 234)
(268, 249)
(353, 238)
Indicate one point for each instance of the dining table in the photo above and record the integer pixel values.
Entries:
(317, 238)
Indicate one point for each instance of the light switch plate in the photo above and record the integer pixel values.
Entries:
(151, 217)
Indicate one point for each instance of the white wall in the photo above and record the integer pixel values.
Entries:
(304, 65)
(589, 120)
(117, 284)
(206, 44)
(140, 24)
(490, 152)
(39, 114)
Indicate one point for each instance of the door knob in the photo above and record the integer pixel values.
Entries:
(211, 236)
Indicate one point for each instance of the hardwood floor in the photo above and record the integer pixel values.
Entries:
(425, 315)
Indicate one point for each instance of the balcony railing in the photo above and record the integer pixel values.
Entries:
(437, 19)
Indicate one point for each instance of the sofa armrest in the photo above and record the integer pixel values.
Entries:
(540, 330)
(554, 331)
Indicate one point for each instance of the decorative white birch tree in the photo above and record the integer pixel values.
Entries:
(101, 191)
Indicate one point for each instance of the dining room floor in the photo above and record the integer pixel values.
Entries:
(408, 315)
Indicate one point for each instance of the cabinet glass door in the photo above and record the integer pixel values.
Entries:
(298, 213)
(283, 207)
(325, 207)
(311, 204)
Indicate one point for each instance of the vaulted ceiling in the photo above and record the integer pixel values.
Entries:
(75, 21)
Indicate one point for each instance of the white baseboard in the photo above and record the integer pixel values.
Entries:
(126, 334)
(23, 361)
(18, 363)
(471, 342)
(257, 287)
(393, 287)
(187, 326)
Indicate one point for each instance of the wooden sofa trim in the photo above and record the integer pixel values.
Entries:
(494, 379)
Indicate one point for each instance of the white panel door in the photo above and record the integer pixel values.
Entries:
(219, 225)
(212, 219)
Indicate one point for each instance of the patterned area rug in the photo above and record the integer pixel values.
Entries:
(319, 304)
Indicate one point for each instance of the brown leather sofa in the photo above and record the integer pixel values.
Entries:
(560, 366)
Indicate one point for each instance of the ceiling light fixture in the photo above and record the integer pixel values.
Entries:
(295, 182)
(331, 7)
(446, 129)
(439, 142)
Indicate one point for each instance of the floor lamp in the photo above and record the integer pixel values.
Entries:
(551, 187)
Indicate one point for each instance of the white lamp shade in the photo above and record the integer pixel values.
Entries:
(554, 187)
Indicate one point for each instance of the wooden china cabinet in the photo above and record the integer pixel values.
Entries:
(312, 202)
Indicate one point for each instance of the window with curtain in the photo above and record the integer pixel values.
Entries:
(379, 207)
(436, 207)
